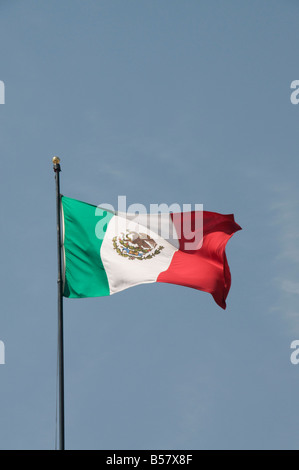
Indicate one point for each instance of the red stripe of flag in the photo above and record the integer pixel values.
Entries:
(205, 268)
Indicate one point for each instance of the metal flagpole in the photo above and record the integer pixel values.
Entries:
(57, 169)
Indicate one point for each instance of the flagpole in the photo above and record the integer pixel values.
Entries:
(57, 169)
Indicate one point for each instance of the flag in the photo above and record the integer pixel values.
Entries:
(105, 252)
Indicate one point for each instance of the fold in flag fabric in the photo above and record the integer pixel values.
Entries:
(106, 252)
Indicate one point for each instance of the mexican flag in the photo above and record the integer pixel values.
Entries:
(105, 252)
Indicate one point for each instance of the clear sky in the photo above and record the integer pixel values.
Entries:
(162, 101)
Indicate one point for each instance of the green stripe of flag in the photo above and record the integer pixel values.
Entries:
(85, 275)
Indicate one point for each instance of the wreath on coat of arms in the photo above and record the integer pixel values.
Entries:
(134, 245)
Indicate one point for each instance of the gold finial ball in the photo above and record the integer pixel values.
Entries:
(56, 160)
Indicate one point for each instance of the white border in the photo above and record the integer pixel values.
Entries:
(62, 244)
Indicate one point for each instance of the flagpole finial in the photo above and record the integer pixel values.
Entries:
(56, 164)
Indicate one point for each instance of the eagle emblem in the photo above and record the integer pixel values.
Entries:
(134, 245)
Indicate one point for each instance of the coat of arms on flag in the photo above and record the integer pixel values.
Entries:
(134, 245)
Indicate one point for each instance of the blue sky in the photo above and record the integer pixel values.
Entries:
(161, 101)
